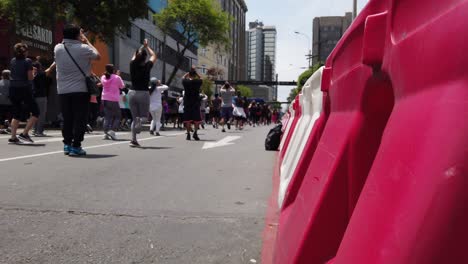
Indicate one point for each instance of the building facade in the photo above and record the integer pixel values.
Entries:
(327, 31)
(261, 56)
(236, 62)
(231, 64)
(165, 47)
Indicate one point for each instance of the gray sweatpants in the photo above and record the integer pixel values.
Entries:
(112, 115)
(139, 102)
(42, 104)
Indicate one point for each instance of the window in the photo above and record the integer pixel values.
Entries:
(129, 31)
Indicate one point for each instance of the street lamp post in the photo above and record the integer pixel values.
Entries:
(354, 9)
(309, 55)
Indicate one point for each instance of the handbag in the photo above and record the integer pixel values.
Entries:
(90, 83)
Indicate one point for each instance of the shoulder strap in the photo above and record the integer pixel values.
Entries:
(78, 66)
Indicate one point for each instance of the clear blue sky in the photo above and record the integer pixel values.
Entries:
(289, 16)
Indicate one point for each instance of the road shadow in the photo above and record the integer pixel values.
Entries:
(145, 148)
(205, 140)
(31, 145)
(95, 156)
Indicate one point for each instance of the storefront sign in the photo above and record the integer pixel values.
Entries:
(36, 37)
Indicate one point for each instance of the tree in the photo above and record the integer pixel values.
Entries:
(199, 21)
(302, 80)
(214, 72)
(207, 87)
(245, 90)
(101, 17)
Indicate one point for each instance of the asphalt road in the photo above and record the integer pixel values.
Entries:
(170, 201)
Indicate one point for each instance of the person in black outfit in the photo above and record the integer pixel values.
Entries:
(192, 83)
(41, 84)
(21, 93)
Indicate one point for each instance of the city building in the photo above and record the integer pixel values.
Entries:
(236, 62)
(327, 31)
(261, 55)
(165, 46)
(231, 64)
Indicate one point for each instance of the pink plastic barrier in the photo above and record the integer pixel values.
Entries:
(386, 181)
(290, 128)
(414, 206)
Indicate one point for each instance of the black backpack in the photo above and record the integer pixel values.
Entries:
(273, 138)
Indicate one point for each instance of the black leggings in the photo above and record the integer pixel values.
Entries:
(22, 98)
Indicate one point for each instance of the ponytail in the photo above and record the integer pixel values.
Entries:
(109, 71)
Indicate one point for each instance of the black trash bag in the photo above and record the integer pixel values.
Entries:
(273, 139)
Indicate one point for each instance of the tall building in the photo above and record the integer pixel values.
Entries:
(229, 65)
(327, 31)
(164, 45)
(261, 50)
(236, 62)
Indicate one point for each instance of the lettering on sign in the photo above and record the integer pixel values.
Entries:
(36, 33)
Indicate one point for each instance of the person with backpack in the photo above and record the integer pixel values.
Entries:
(73, 59)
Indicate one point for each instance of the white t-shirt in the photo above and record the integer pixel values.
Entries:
(155, 98)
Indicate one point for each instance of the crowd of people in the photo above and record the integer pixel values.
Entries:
(23, 96)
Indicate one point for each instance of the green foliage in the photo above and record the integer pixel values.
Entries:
(275, 105)
(207, 87)
(201, 21)
(102, 17)
(245, 90)
(302, 80)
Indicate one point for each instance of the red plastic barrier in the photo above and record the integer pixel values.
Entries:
(288, 135)
(311, 144)
(414, 206)
(313, 222)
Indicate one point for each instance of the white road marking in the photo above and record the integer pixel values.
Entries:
(86, 137)
(48, 134)
(223, 142)
(90, 147)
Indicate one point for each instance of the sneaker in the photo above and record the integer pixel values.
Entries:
(14, 141)
(89, 129)
(112, 135)
(188, 136)
(134, 144)
(66, 149)
(157, 134)
(106, 137)
(229, 126)
(203, 126)
(3, 132)
(76, 152)
(25, 138)
(39, 135)
(195, 136)
(224, 130)
(151, 132)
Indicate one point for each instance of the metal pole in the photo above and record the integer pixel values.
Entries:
(354, 9)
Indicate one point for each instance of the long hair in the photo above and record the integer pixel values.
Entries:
(109, 70)
(20, 50)
(140, 56)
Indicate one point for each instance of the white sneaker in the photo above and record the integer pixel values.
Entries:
(112, 135)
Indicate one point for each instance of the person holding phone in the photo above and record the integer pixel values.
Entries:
(139, 95)
(72, 57)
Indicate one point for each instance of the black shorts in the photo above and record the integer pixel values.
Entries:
(22, 99)
(215, 114)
